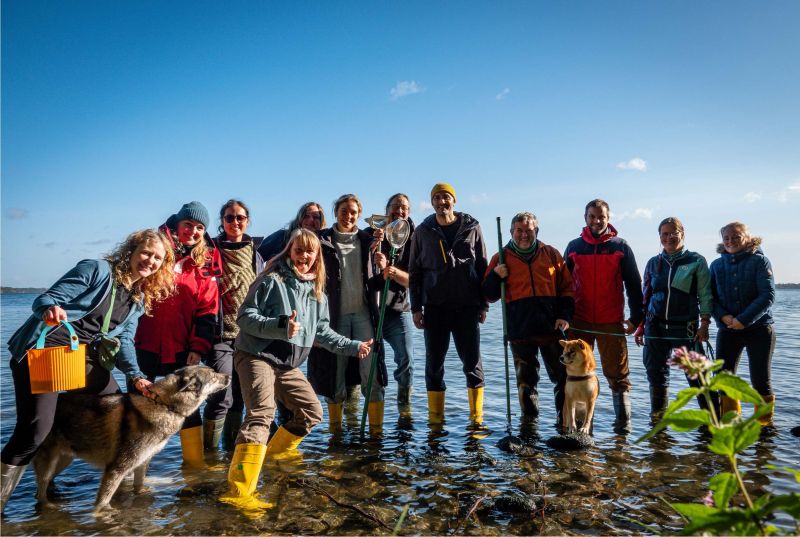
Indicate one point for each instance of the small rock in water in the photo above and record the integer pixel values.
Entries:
(570, 441)
(514, 503)
(796, 431)
(514, 444)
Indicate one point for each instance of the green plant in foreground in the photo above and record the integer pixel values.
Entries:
(730, 435)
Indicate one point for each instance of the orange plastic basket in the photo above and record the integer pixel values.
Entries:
(54, 369)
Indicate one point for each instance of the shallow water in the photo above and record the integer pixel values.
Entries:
(615, 487)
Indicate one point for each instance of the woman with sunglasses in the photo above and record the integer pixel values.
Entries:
(677, 305)
(241, 263)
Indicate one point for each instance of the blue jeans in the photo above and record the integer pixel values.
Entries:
(356, 326)
(397, 330)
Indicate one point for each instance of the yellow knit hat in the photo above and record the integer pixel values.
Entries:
(443, 187)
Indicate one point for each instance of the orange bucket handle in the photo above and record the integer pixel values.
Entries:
(73, 338)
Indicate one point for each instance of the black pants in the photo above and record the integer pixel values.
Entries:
(463, 324)
(150, 364)
(760, 344)
(36, 412)
(221, 361)
(526, 365)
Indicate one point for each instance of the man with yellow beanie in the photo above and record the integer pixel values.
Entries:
(447, 262)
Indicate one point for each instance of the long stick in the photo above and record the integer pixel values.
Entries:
(500, 260)
(376, 346)
(357, 509)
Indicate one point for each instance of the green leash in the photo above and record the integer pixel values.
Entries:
(500, 260)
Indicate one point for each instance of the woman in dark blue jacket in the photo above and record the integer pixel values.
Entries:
(744, 291)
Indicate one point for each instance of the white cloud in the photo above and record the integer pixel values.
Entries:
(502, 95)
(636, 164)
(405, 88)
(479, 198)
(636, 214)
(751, 197)
(794, 188)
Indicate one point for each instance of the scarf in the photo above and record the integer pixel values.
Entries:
(524, 253)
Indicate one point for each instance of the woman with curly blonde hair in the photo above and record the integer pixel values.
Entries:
(119, 290)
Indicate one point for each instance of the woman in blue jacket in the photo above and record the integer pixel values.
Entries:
(127, 283)
(677, 304)
(744, 291)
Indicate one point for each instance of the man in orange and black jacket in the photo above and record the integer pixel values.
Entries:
(539, 308)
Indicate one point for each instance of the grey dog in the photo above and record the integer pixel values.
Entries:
(120, 433)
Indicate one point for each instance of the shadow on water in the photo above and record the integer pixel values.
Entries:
(453, 477)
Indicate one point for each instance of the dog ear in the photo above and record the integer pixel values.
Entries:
(189, 383)
(563, 343)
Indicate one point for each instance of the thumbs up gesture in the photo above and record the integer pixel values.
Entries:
(364, 348)
(293, 327)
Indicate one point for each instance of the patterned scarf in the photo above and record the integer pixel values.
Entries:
(237, 275)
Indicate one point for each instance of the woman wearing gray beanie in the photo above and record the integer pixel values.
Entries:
(182, 329)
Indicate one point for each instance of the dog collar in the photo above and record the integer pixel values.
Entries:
(577, 379)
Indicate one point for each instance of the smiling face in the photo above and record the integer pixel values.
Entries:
(347, 216)
(671, 238)
(734, 239)
(302, 257)
(190, 232)
(146, 259)
(524, 233)
(234, 222)
(443, 203)
(597, 220)
(312, 218)
(399, 208)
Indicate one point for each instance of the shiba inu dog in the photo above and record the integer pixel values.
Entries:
(120, 433)
(582, 386)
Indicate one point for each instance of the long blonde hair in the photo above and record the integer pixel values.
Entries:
(307, 240)
(155, 287)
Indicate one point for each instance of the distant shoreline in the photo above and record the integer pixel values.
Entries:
(39, 290)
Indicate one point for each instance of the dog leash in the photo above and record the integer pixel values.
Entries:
(600, 333)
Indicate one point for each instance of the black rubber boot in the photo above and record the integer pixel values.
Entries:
(528, 401)
(622, 412)
(659, 400)
(233, 422)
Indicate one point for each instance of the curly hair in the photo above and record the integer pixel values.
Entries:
(307, 240)
(155, 287)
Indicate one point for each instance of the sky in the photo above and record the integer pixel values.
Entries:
(114, 114)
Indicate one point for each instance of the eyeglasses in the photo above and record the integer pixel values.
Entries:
(229, 218)
(671, 235)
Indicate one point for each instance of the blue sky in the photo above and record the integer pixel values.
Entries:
(116, 113)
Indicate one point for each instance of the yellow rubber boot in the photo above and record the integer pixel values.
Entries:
(728, 404)
(283, 444)
(766, 419)
(475, 396)
(243, 477)
(192, 447)
(435, 407)
(335, 415)
(375, 415)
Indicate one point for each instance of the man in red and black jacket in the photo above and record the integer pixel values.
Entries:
(601, 264)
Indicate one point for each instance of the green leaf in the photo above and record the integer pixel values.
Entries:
(688, 420)
(735, 388)
(693, 510)
(717, 365)
(723, 441)
(721, 521)
(788, 503)
(729, 416)
(724, 486)
(761, 410)
(746, 435)
(683, 397)
(791, 471)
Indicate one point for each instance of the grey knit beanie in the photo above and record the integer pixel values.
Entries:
(194, 210)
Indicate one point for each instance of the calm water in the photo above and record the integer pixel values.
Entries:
(616, 487)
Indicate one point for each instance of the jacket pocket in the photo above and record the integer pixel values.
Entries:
(684, 277)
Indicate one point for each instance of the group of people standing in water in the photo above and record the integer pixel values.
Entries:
(258, 308)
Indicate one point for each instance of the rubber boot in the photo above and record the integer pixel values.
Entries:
(335, 415)
(233, 422)
(475, 396)
(403, 396)
(283, 444)
(528, 400)
(9, 479)
(435, 407)
(728, 404)
(212, 433)
(243, 477)
(622, 412)
(659, 401)
(192, 447)
(766, 419)
(375, 416)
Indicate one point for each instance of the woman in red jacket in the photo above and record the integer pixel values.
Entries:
(181, 329)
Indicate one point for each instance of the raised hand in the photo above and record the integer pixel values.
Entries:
(293, 326)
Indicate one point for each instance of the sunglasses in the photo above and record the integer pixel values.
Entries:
(229, 218)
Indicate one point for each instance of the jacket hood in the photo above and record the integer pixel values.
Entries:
(753, 248)
(610, 233)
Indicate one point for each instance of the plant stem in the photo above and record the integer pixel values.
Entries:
(707, 394)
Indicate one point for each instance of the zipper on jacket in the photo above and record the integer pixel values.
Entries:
(669, 290)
